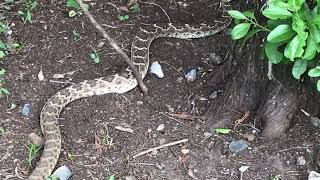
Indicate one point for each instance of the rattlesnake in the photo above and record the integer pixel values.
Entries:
(117, 83)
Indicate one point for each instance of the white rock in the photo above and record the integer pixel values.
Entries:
(160, 127)
(62, 173)
(191, 75)
(40, 75)
(156, 69)
(185, 151)
(301, 161)
(243, 168)
(313, 175)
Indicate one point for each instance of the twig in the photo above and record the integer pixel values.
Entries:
(269, 71)
(187, 116)
(160, 147)
(115, 46)
(298, 147)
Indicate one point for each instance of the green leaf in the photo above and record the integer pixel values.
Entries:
(295, 47)
(5, 91)
(249, 35)
(271, 23)
(298, 25)
(249, 14)
(94, 57)
(72, 13)
(2, 54)
(311, 49)
(240, 30)
(274, 12)
(236, 14)
(111, 177)
(314, 32)
(273, 55)
(222, 130)
(123, 18)
(2, 72)
(2, 45)
(318, 85)
(12, 106)
(3, 27)
(299, 67)
(73, 4)
(315, 72)
(29, 17)
(135, 7)
(295, 4)
(316, 20)
(281, 33)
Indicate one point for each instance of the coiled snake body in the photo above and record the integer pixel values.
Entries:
(117, 83)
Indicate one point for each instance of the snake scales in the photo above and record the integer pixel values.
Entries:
(117, 83)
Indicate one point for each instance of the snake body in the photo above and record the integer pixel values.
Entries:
(117, 83)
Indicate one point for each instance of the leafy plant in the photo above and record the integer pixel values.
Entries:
(123, 18)
(135, 7)
(75, 34)
(107, 140)
(74, 8)
(32, 152)
(293, 34)
(94, 57)
(27, 8)
(222, 130)
(111, 177)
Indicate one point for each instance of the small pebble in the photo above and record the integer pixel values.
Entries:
(155, 152)
(185, 151)
(207, 134)
(170, 108)
(191, 75)
(301, 161)
(162, 141)
(156, 69)
(238, 145)
(62, 173)
(315, 121)
(139, 103)
(40, 75)
(130, 178)
(215, 59)
(180, 79)
(160, 127)
(214, 95)
(25, 110)
(243, 168)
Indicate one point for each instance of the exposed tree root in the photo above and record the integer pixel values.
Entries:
(276, 114)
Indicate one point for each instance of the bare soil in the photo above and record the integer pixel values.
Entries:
(49, 45)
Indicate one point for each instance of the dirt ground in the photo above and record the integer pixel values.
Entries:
(88, 124)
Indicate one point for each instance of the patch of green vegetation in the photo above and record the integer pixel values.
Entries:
(135, 7)
(26, 12)
(2, 130)
(111, 177)
(76, 35)
(52, 177)
(107, 140)
(293, 34)
(74, 8)
(123, 18)
(94, 57)
(71, 157)
(33, 150)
